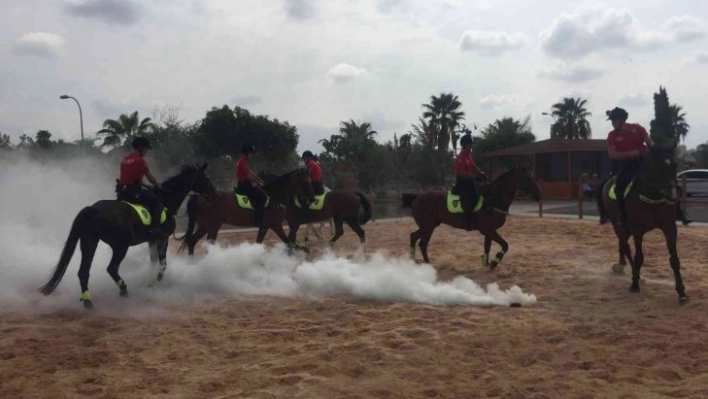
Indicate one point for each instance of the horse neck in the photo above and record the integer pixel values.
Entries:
(279, 191)
(174, 191)
(503, 191)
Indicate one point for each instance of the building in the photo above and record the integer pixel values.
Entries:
(557, 164)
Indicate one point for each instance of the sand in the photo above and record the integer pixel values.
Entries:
(587, 336)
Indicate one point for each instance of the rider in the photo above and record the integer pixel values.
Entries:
(465, 169)
(249, 184)
(130, 184)
(315, 172)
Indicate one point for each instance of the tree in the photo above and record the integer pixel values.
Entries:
(123, 128)
(5, 142)
(571, 119)
(663, 127)
(678, 120)
(444, 116)
(504, 133)
(399, 150)
(43, 139)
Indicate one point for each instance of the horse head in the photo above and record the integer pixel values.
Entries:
(194, 178)
(292, 184)
(658, 171)
(302, 183)
(525, 182)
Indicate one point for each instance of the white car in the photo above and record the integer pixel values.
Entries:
(696, 182)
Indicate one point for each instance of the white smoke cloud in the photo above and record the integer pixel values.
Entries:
(38, 203)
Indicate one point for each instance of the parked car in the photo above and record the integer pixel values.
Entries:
(696, 182)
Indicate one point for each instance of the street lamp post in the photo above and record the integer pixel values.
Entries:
(81, 116)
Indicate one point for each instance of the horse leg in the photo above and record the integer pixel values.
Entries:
(415, 236)
(500, 255)
(88, 250)
(192, 243)
(487, 248)
(638, 261)
(424, 240)
(119, 252)
(262, 230)
(338, 231)
(354, 225)
(161, 245)
(670, 236)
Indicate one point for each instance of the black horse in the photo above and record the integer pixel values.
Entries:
(117, 224)
(649, 205)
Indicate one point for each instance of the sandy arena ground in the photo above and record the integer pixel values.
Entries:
(586, 337)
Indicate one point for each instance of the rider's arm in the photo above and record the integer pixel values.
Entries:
(254, 178)
(614, 154)
(151, 178)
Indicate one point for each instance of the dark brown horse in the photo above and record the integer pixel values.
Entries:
(208, 216)
(430, 210)
(342, 206)
(648, 206)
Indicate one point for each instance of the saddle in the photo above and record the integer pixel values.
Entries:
(244, 202)
(144, 214)
(611, 193)
(317, 204)
(454, 203)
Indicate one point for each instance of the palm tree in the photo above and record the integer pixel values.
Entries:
(678, 120)
(571, 119)
(444, 116)
(123, 128)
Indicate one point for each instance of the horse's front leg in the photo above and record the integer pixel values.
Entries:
(638, 261)
(158, 254)
(500, 255)
(670, 236)
(487, 248)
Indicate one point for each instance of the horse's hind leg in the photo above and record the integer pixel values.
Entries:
(88, 250)
(338, 231)
(670, 236)
(354, 225)
(424, 240)
(415, 236)
(119, 252)
(500, 255)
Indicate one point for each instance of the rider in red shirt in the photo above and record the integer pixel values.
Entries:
(249, 184)
(315, 172)
(465, 171)
(133, 168)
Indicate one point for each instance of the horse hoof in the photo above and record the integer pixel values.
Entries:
(515, 305)
(493, 266)
(124, 293)
(634, 289)
(617, 268)
(88, 304)
(683, 299)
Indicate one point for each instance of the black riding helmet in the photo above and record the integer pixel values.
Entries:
(307, 154)
(466, 140)
(248, 149)
(141, 142)
(616, 113)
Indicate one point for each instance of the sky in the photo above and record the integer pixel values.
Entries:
(317, 63)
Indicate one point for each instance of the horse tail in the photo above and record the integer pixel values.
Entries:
(366, 216)
(192, 208)
(407, 200)
(78, 228)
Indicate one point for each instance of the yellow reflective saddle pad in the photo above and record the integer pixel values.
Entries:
(317, 204)
(144, 214)
(454, 205)
(612, 194)
(245, 203)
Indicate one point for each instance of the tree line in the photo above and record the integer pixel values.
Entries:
(352, 156)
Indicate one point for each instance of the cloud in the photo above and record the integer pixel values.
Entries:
(576, 35)
(300, 9)
(492, 101)
(246, 100)
(634, 99)
(40, 44)
(492, 43)
(573, 73)
(685, 28)
(345, 72)
(702, 58)
(118, 12)
(386, 6)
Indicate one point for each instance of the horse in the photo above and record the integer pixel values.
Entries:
(430, 209)
(120, 226)
(342, 206)
(208, 216)
(648, 205)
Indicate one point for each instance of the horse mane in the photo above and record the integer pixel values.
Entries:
(182, 170)
(278, 181)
